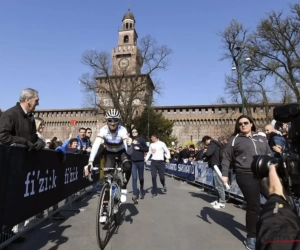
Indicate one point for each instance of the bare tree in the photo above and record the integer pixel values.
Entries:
(126, 91)
(235, 36)
(276, 47)
(245, 83)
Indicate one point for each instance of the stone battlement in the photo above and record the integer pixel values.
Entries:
(190, 122)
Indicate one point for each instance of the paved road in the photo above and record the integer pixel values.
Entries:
(182, 219)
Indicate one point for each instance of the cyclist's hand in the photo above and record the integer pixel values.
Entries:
(88, 170)
(128, 141)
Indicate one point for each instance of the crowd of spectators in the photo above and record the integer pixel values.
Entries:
(236, 151)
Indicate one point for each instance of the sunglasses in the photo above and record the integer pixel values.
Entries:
(113, 120)
(243, 123)
(134, 132)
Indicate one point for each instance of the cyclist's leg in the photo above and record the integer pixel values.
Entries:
(126, 166)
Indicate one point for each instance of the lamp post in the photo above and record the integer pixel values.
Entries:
(241, 63)
(148, 103)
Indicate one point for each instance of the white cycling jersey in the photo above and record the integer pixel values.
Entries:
(113, 141)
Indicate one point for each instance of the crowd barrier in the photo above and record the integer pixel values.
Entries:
(31, 182)
(200, 173)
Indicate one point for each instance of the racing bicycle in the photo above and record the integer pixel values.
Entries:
(108, 210)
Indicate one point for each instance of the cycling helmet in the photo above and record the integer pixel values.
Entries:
(112, 113)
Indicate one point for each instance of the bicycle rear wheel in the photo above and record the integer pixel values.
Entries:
(103, 228)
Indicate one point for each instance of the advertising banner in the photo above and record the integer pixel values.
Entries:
(201, 173)
(34, 181)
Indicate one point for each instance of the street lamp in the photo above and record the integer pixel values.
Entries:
(240, 67)
(148, 103)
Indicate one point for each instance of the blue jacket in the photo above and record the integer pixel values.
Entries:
(85, 141)
(63, 147)
(138, 155)
(276, 139)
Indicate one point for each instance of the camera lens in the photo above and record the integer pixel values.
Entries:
(260, 165)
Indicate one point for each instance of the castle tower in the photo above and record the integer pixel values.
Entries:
(126, 56)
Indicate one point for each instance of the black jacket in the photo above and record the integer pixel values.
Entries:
(278, 226)
(17, 127)
(138, 155)
(240, 150)
(213, 153)
(183, 154)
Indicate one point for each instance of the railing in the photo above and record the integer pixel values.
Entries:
(201, 175)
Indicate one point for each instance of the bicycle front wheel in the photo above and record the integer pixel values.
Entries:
(103, 221)
(117, 215)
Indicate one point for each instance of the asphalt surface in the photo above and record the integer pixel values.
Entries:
(182, 219)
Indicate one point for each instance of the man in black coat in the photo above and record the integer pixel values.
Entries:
(17, 124)
(137, 158)
(213, 156)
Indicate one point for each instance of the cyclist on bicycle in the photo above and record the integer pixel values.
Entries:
(118, 145)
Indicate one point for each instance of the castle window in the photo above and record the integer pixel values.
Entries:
(126, 25)
(126, 39)
(131, 26)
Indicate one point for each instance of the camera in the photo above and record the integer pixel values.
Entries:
(288, 166)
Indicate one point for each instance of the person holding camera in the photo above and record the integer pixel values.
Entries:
(278, 226)
(239, 151)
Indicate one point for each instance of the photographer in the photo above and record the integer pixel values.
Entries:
(278, 226)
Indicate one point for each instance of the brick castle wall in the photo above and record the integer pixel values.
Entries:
(190, 122)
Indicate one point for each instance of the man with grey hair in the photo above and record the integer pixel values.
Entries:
(17, 124)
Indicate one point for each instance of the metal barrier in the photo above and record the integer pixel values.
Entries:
(203, 186)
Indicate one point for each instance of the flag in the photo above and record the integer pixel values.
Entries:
(73, 122)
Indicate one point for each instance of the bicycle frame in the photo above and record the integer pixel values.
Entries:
(111, 178)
